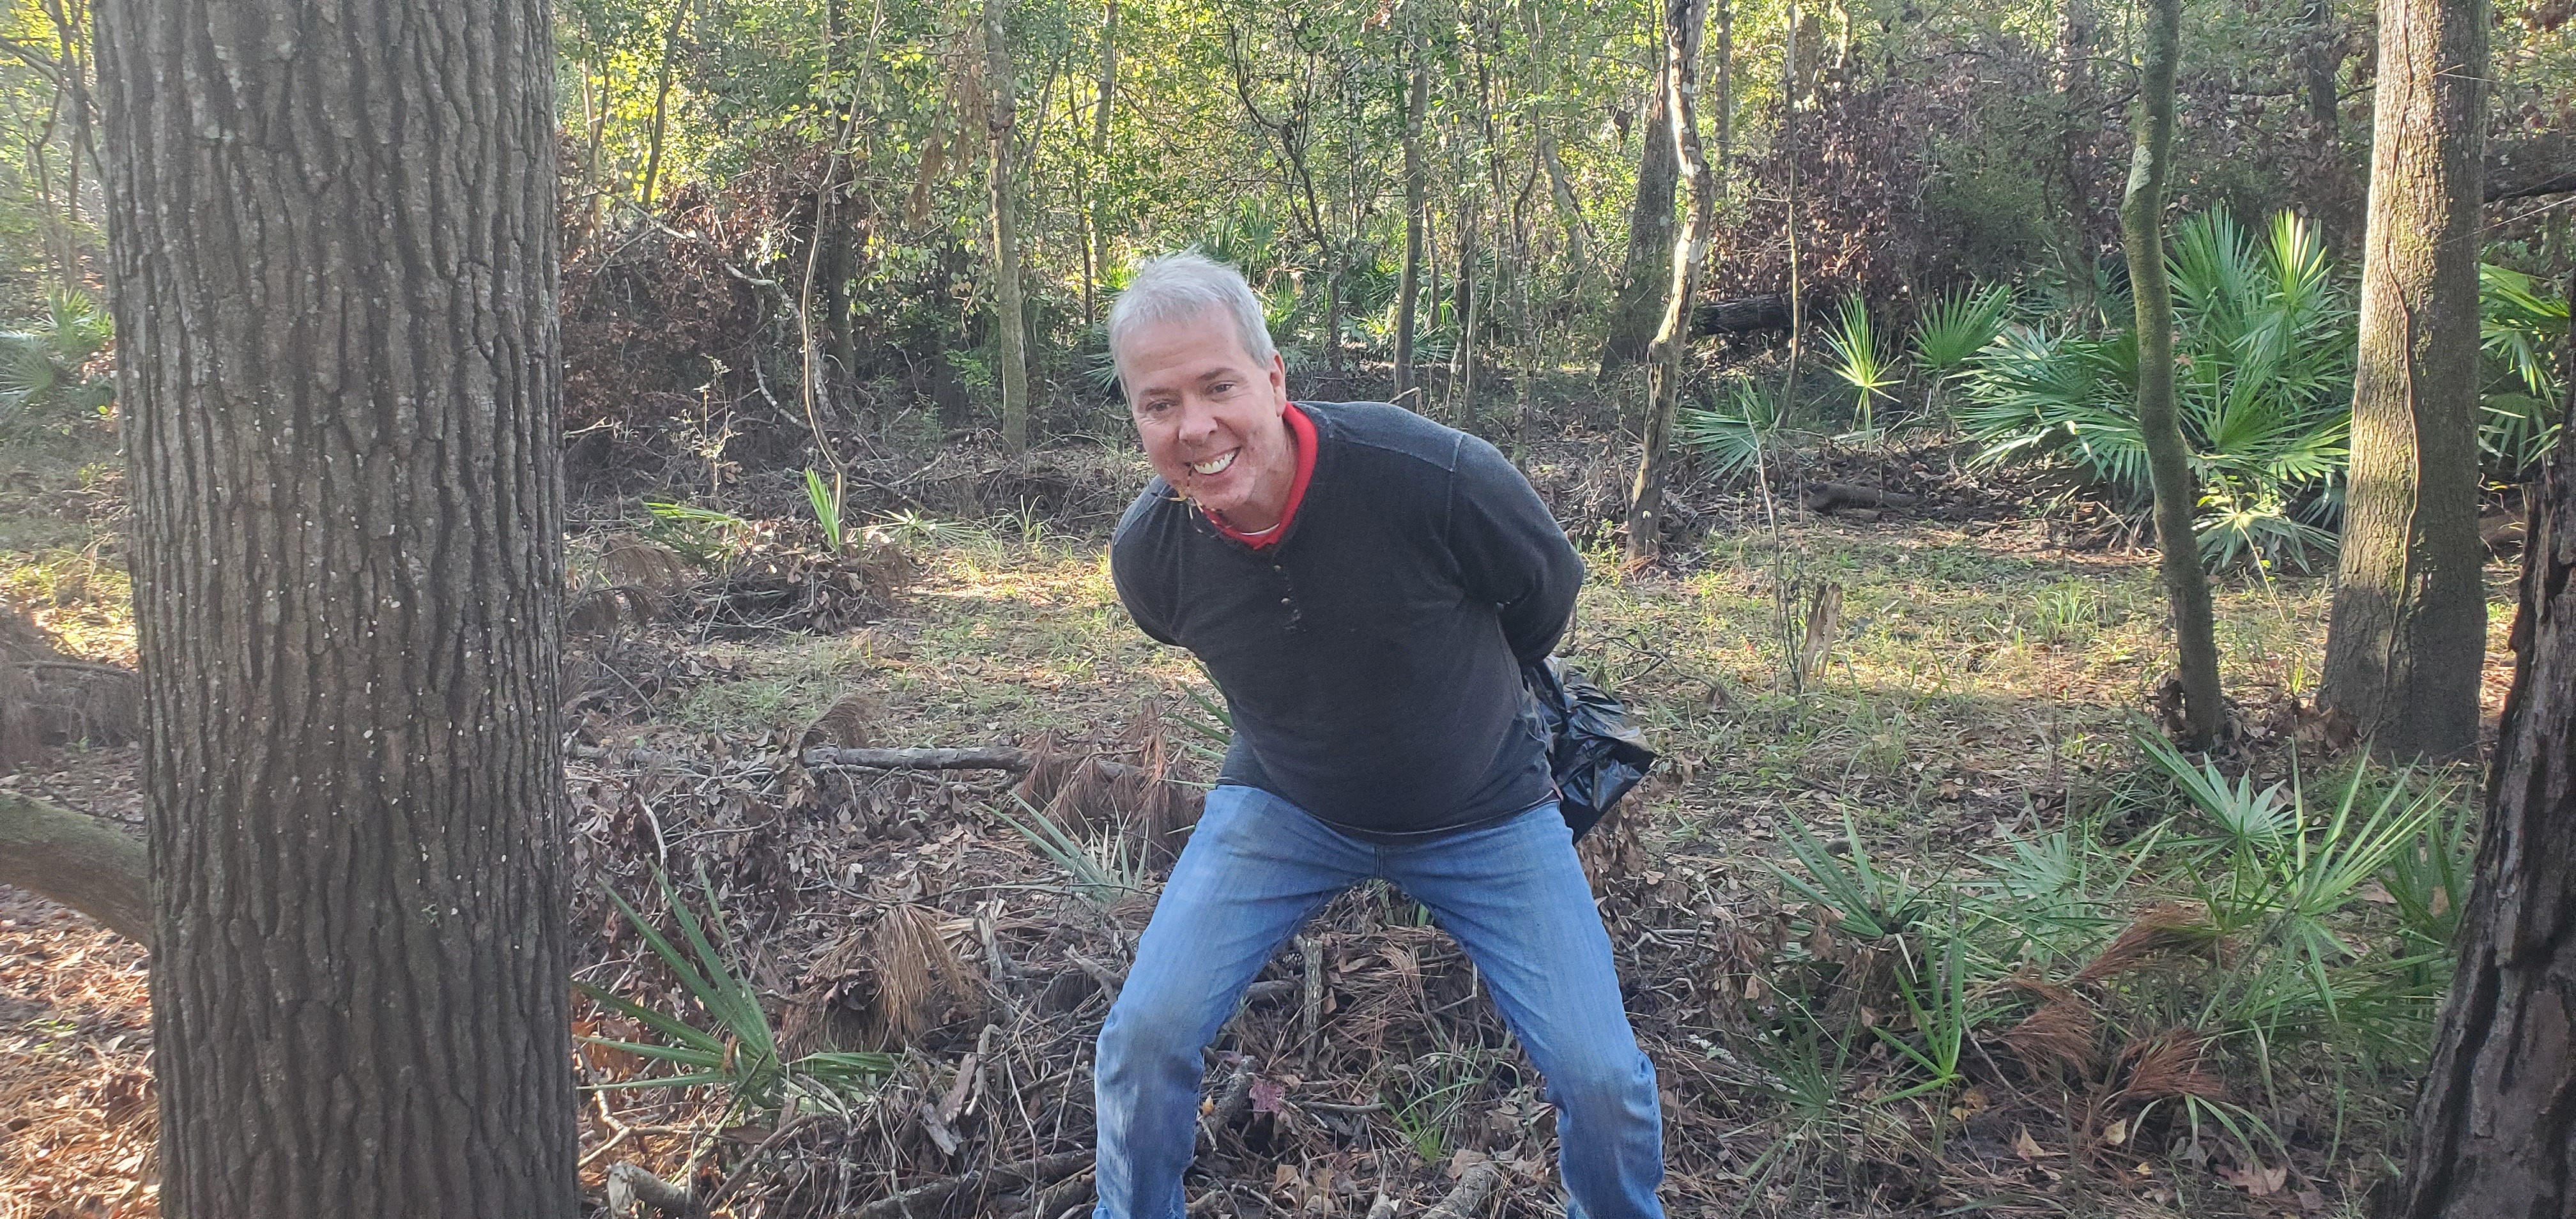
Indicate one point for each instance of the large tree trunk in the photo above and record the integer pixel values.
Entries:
(2408, 632)
(1011, 318)
(333, 242)
(2495, 1129)
(1683, 21)
(1408, 291)
(2142, 220)
(1637, 308)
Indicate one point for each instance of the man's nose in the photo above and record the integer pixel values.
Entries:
(1198, 421)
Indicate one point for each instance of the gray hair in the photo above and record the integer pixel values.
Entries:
(1184, 285)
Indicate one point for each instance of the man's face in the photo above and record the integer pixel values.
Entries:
(1210, 417)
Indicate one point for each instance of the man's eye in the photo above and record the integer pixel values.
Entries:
(1222, 387)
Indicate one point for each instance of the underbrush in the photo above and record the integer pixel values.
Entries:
(2211, 977)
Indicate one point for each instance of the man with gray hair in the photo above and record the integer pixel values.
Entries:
(1364, 585)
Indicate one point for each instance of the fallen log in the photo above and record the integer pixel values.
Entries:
(79, 861)
(925, 1201)
(2530, 166)
(1742, 315)
(1825, 497)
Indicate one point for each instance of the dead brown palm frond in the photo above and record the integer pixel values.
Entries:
(2061, 1030)
(2165, 928)
(885, 569)
(820, 1014)
(1049, 767)
(602, 611)
(632, 560)
(2167, 1065)
(916, 969)
(843, 725)
(1085, 801)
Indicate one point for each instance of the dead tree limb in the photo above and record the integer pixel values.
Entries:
(629, 1185)
(2530, 166)
(987, 757)
(1824, 497)
(77, 860)
(923, 1201)
(1475, 1185)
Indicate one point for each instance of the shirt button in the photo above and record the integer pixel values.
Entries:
(1285, 601)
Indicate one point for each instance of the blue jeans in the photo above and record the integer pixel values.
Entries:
(1513, 896)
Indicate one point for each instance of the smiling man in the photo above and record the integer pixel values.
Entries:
(1364, 585)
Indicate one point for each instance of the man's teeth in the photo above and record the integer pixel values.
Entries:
(1216, 464)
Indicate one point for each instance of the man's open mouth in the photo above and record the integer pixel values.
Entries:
(1217, 464)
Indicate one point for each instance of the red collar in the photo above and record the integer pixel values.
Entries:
(1301, 432)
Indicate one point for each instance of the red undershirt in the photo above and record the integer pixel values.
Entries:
(1301, 433)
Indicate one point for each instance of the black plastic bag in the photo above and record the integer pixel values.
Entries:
(1593, 753)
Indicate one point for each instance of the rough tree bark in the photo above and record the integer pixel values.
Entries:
(1683, 21)
(1011, 319)
(1408, 290)
(2142, 221)
(2408, 630)
(1637, 308)
(2495, 1129)
(333, 252)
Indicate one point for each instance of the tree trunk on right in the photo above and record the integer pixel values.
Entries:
(2142, 221)
(2495, 1127)
(1637, 309)
(2408, 633)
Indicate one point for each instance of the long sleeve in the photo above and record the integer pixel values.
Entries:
(1510, 550)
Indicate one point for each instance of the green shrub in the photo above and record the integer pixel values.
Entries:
(2521, 328)
(41, 379)
(2263, 381)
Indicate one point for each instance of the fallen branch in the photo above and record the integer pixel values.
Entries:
(77, 860)
(1824, 497)
(1474, 1186)
(922, 1201)
(1055, 1201)
(972, 757)
(629, 1184)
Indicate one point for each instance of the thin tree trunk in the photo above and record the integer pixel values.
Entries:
(340, 366)
(661, 107)
(2408, 632)
(1011, 310)
(2079, 108)
(1683, 22)
(2142, 220)
(1096, 254)
(1462, 363)
(2494, 1131)
(1789, 91)
(1409, 287)
(1636, 308)
(831, 226)
(1722, 93)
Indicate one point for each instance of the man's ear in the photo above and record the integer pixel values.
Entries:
(1279, 375)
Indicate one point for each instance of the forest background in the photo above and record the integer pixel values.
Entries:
(1920, 915)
